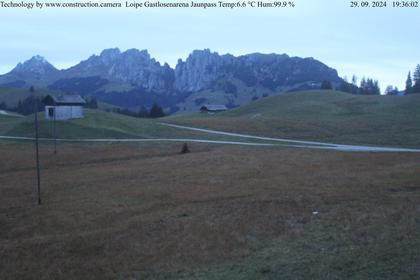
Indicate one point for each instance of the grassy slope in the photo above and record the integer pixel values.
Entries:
(122, 212)
(8, 122)
(244, 95)
(96, 124)
(324, 116)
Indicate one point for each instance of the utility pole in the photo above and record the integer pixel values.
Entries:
(55, 131)
(37, 147)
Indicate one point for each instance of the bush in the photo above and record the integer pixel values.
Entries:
(185, 149)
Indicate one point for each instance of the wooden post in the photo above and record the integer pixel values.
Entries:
(37, 148)
(55, 131)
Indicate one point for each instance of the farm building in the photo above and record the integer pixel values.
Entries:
(63, 107)
(213, 108)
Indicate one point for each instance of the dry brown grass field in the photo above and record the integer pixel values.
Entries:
(219, 212)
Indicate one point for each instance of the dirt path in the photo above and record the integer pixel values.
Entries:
(302, 144)
(284, 142)
(104, 140)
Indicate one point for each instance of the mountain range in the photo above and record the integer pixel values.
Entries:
(133, 78)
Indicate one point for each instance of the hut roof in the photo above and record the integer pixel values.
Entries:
(66, 99)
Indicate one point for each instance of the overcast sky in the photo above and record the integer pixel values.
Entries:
(378, 43)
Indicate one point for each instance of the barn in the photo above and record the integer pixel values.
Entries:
(213, 108)
(63, 107)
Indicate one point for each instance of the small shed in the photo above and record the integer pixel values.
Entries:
(213, 108)
(63, 107)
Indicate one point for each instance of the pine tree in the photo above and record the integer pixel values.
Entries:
(326, 85)
(369, 87)
(408, 83)
(363, 86)
(416, 88)
(3, 106)
(416, 74)
(354, 80)
(376, 90)
(156, 111)
(416, 78)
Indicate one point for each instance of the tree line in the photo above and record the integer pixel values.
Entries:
(155, 111)
(367, 86)
(32, 104)
(412, 84)
(370, 86)
(27, 106)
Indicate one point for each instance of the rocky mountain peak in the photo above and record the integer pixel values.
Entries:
(203, 68)
(109, 55)
(200, 70)
(136, 56)
(134, 67)
(36, 65)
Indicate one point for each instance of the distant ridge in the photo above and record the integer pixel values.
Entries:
(133, 78)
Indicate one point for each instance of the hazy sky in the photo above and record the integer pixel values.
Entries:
(375, 42)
